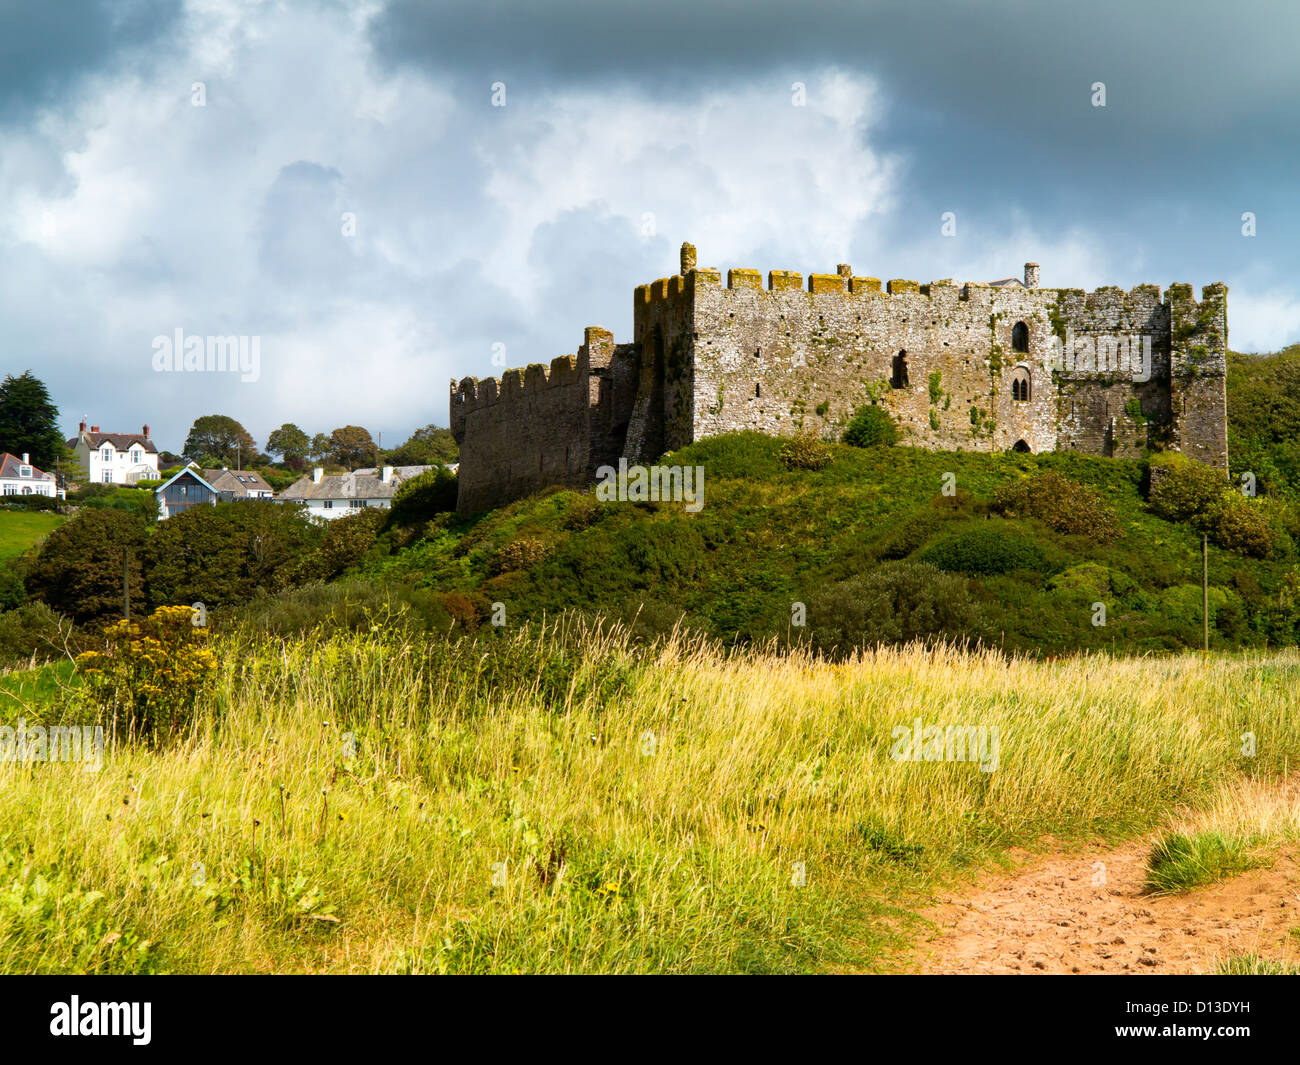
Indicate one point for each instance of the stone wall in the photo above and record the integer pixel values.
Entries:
(972, 366)
(531, 429)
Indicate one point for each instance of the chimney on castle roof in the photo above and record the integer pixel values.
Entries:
(1031, 275)
(688, 258)
(844, 270)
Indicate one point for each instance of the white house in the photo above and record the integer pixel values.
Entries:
(115, 458)
(341, 494)
(18, 477)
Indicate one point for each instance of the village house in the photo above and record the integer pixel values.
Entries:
(234, 485)
(18, 477)
(115, 458)
(336, 495)
(182, 491)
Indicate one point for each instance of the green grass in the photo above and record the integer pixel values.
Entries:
(1179, 862)
(21, 529)
(1254, 965)
(769, 537)
(569, 801)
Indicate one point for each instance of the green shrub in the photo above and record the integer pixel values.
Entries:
(520, 553)
(424, 496)
(1061, 504)
(984, 550)
(1242, 525)
(348, 540)
(32, 630)
(898, 602)
(1183, 489)
(79, 568)
(31, 503)
(805, 452)
(871, 426)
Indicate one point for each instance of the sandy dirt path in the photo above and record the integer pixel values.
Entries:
(1085, 912)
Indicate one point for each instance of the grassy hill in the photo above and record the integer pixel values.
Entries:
(21, 529)
(769, 538)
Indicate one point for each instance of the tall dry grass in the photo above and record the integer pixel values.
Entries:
(562, 801)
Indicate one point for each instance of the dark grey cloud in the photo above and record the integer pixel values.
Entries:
(47, 49)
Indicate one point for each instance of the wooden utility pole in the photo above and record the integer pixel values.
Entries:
(1205, 588)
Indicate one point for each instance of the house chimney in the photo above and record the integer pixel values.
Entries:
(316, 475)
(82, 427)
(94, 428)
(1031, 275)
(386, 474)
(146, 432)
(27, 459)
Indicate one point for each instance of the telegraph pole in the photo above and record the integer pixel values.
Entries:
(1205, 588)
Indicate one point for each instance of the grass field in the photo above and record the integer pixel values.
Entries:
(21, 529)
(562, 802)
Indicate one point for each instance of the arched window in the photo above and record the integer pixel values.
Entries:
(1020, 446)
(1020, 337)
(899, 377)
(1020, 385)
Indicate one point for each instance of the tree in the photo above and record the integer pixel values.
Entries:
(29, 422)
(429, 446)
(351, 446)
(290, 443)
(320, 448)
(217, 438)
(229, 553)
(78, 571)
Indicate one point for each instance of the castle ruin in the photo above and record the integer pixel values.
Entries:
(974, 366)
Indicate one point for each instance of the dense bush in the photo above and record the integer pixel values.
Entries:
(31, 503)
(1242, 525)
(898, 602)
(1059, 503)
(1183, 489)
(231, 553)
(79, 568)
(33, 630)
(805, 452)
(348, 540)
(871, 426)
(146, 678)
(138, 501)
(419, 499)
(984, 550)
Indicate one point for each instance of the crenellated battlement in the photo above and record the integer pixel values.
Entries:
(970, 365)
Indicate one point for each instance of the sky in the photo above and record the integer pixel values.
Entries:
(382, 196)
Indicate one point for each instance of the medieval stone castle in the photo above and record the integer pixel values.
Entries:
(976, 366)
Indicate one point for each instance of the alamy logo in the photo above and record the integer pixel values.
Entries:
(946, 743)
(58, 743)
(102, 1018)
(651, 484)
(194, 354)
(1129, 355)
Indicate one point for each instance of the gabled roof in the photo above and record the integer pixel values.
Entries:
(10, 465)
(187, 472)
(404, 472)
(340, 486)
(120, 441)
(1008, 282)
(239, 481)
